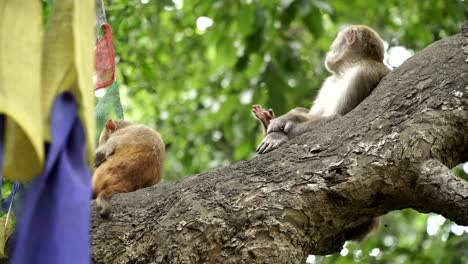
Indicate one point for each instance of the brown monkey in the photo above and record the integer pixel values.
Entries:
(129, 157)
(355, 61)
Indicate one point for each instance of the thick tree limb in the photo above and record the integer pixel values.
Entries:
(392, 152)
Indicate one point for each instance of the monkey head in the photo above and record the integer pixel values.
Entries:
(110, 127)
(352, 44)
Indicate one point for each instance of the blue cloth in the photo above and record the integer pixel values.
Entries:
(54, 227)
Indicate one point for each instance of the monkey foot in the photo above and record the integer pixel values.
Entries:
(263, 115)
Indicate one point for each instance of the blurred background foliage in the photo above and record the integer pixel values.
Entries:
(192, 70)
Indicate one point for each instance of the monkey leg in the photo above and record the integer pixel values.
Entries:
(263, 115)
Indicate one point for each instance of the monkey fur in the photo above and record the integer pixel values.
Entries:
(355, 61)
(129, 157)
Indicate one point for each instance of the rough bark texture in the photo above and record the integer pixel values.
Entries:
(393, 151)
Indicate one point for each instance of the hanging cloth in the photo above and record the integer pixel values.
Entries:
(54, 226)
(104, 74)
(37, 65)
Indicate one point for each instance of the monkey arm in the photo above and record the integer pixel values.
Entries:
(290, 129)
(271, 141)
(275, 135)
(278, 128)
(104, 151)
(295, 116)
(294, 130)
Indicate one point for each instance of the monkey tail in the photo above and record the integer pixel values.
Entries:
(104, 196)
(103, 204)
(359, 232)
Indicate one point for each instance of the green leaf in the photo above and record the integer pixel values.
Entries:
(246, 20)
(287, 15)
(323, 5)
(276, 86)
(313, 21)
(243, 150)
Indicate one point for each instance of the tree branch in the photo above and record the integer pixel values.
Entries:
(393, 151)
(440, 191)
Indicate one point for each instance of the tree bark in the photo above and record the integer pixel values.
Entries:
(393, 151)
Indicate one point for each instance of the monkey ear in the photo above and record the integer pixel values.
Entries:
(110, 125)
(351, 36)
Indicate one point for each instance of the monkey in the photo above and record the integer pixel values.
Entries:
(355, 61)
(129, 157)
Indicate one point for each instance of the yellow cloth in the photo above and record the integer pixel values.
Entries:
(35, 68)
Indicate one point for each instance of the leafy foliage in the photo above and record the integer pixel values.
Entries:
(192, 69)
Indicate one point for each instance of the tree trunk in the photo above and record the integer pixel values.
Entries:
(393, 151)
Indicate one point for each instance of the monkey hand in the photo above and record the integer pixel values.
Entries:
(283, 124)
(99, 158)
(101, 155)
(271, 141)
